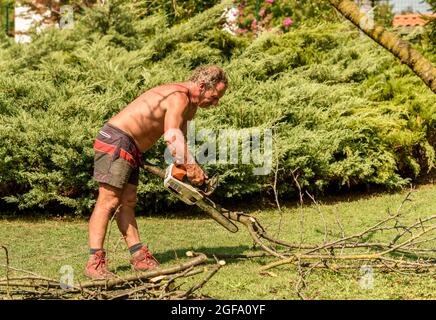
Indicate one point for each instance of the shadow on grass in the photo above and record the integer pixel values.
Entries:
(176, 256)
(181, 253)
(248, 205)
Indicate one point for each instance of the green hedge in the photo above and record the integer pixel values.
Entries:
(344, 112)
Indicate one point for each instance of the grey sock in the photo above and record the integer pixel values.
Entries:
(135, 248)
(93, 251)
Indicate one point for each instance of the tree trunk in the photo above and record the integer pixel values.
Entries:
(398, 47)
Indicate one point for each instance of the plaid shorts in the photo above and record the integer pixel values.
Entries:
(117, 158)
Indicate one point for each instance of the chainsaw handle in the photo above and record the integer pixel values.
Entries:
(210, 183)
(180, 173)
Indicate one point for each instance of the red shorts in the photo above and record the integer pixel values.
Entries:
(117, 158)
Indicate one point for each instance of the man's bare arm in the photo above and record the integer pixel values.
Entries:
(174, 129)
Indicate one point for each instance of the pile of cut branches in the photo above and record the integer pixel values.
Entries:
(160, 284)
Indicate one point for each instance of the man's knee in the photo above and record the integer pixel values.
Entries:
(109, 198)
(129, 198)
(130, 203)
(111, 205)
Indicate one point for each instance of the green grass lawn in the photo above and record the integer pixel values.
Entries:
(43, 246)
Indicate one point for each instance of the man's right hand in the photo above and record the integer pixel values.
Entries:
(195, 174)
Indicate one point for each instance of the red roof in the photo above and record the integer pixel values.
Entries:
(410, 20)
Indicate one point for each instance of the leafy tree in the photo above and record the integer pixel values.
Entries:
(398, 47)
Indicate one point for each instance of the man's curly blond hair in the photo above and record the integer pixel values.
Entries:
(210, 75)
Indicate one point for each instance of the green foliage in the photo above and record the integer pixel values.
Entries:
(175, 10)
(282, 16)
(6, 17)
(344, 112)
(431, 26)
(383, 12)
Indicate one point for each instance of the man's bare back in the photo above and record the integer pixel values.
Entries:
(144, 118)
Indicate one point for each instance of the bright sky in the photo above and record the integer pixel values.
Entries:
(417, 5)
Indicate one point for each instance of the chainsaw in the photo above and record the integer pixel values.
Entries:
(176, 181)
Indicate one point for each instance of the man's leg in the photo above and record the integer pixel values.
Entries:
(109, 198)
(108, 201)
(142, 259)
(126, 220)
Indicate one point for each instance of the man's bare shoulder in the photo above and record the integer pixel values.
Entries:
(171, 94)
(171, 88)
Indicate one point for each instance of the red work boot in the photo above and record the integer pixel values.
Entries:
(96, 268)
(143, 260)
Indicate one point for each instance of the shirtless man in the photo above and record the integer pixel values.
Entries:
(163, 110)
